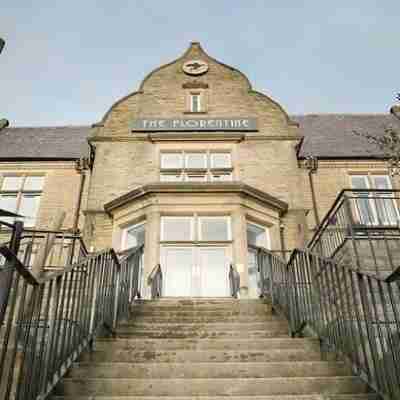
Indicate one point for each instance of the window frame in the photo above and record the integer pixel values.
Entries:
(200, 218)
(124, 233)
(207, 170)
(20, 193)
(196, 95)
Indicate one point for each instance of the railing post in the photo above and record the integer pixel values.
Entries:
(116, 296)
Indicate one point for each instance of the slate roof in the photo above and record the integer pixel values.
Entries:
(61, 143)
(325, 136)
(330, 135)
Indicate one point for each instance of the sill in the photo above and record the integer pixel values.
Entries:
(196, 243)
(195, 112)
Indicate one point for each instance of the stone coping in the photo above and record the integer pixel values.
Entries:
(198, 187)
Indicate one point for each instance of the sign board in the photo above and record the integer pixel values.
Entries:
(194, 124)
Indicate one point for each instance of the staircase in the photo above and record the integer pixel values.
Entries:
(207, 348)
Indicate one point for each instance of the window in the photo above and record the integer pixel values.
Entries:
(21, 194)
(196, 166)
(195, 228)
(172, 160)
(214, 228)
(177, 228)
(195, 104)
(256, 235)
(133, 236)
(374, 208)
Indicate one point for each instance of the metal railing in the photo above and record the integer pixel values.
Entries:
(50, 319)
(362, 229)
(234, 281)
(355, 314)
(155, 281)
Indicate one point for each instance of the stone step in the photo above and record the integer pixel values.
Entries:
(366, 396)
(128, 332)
(199, 318)
(200, 356)
(211, 387)
(172, 326)
(208, 370)
(207, 344)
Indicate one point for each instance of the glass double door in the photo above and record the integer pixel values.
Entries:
(194, 271)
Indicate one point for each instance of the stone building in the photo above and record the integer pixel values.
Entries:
(198, 166)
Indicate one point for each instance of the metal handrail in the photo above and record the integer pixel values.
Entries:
(155, 281)
(50, 319)
(354, 314)
(234, 281)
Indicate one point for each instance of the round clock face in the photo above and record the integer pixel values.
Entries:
(195, 67)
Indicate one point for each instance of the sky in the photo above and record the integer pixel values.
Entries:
(67, 62)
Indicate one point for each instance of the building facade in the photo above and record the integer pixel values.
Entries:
(197, 166)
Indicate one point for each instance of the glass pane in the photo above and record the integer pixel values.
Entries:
(256, 235)
(12, 183)
(34, 183)
(170, 178)
(195, 178)
(381, 182)
(177, 228)
(29, 208)
(8, 203)
(221, 160)
(135, 236)
(195, 103)
(196, 160)
(359, 182)
(214, 228)
(171, 160)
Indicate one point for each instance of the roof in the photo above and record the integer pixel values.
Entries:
(331, 135)
(52, 143)
(325, 136)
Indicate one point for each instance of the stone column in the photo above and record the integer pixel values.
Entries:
(239, 236)
(152, 245)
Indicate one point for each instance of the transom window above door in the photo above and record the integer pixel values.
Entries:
(195, 166)
(193, 228)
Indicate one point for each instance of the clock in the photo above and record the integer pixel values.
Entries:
(195, 67)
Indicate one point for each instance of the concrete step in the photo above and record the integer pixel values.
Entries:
(128, 332)
(200, 356)
(201, 305)
(209, 370)
(210, 326)
(199, 318)
(211, 387)
(366, 396)
(207, 344)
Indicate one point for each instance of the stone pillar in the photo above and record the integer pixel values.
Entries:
(152, 245)
(239, 236)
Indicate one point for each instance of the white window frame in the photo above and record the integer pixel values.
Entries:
(265, 229)
(199, 105)
(192, 225)
(124, 235)
(212, 153)
(19, 194)
(208, 169)
(200, 218)
(368, 178)
(187, 154)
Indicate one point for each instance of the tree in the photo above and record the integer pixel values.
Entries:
(389, 142)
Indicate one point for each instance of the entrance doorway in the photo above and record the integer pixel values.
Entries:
(195, 271)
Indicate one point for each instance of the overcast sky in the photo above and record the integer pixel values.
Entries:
(66, 62)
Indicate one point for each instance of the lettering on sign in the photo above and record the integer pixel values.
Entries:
(195, 124)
